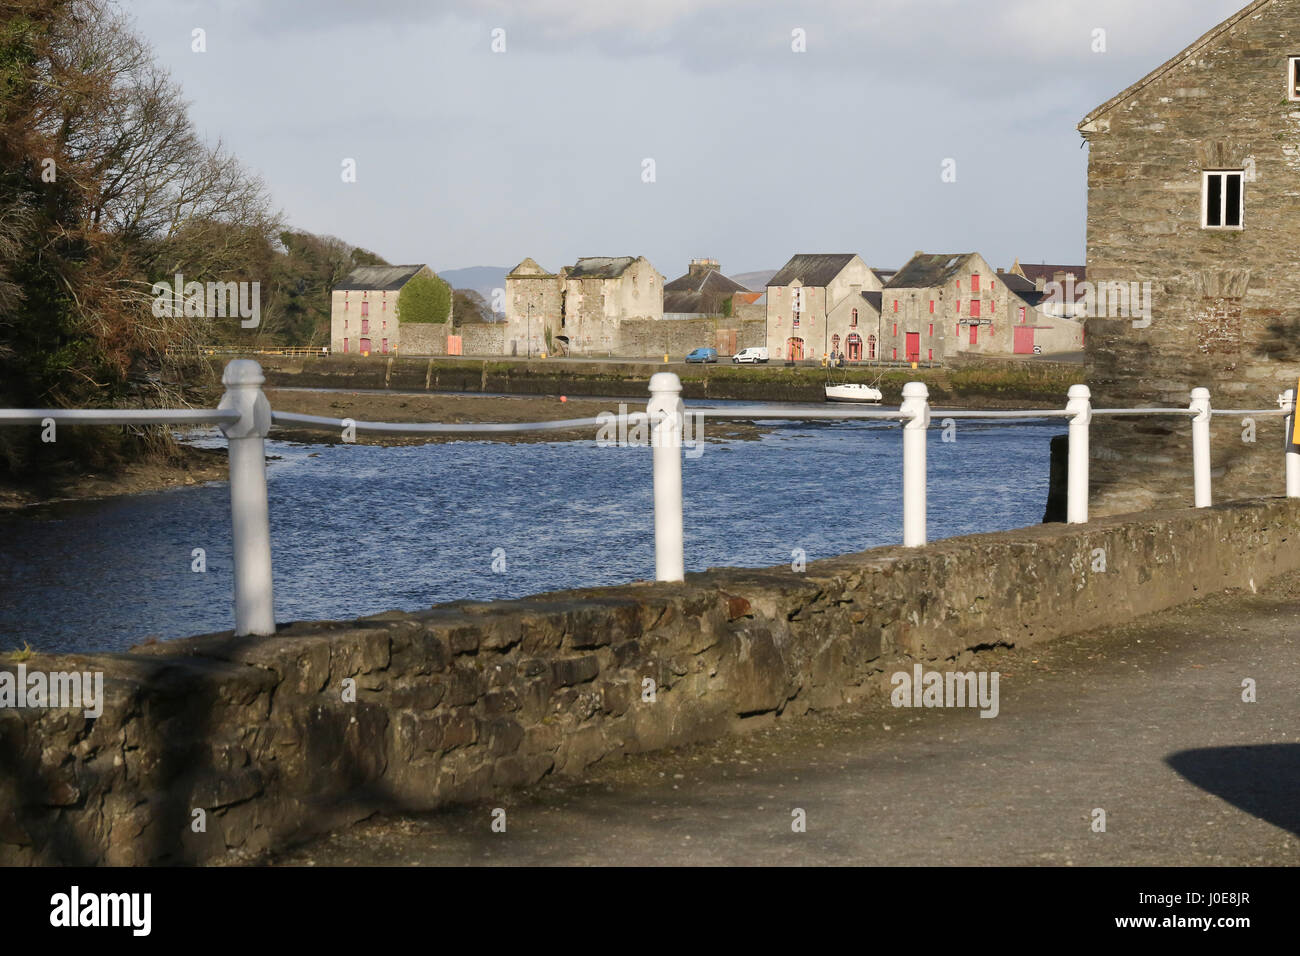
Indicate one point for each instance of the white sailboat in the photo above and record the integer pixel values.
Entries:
(851, 392)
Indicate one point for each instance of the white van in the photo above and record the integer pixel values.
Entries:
(750, 356)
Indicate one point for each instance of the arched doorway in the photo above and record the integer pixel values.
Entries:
(794, 349)
(854, 347)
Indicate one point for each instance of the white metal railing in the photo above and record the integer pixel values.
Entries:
(245, 417)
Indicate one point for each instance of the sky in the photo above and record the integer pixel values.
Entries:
(772, 128)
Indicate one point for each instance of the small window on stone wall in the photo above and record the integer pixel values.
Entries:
(1223, 200)
(1293, 78)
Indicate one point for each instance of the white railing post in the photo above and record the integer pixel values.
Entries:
(250, 518)
(1080, 407)
(1201, 446)
(1291, 450)
(667, 411)
(916, 420)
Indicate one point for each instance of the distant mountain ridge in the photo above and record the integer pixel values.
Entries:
(755, 281)
(482, 279)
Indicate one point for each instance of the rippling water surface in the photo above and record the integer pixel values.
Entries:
(359, 529)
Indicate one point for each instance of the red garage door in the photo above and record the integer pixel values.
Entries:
(914, 346)
(1024, 344)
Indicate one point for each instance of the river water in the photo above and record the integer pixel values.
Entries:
(359, 529)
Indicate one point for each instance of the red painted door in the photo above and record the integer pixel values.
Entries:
(365, 346)
(974, 335)
(914, 346)
(1024, 344)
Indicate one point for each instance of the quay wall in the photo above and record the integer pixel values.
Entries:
(272, 740)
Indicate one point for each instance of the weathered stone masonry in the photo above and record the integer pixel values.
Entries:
(464, 699)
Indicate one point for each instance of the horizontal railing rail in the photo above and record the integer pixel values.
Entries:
(117, 416)
(246, 418)
(438, 428)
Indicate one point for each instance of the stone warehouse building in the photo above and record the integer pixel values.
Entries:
(940, 304)
(363, 312)
(821, 304)
(581, 309)
(1194, 187)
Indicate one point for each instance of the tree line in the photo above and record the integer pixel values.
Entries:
(106, 188)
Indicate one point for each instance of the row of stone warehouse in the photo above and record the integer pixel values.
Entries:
(816, 305)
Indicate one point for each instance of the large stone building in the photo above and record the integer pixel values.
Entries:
(940, 304)
(580, 310)
(1192, 188)
(363, 312)
(823, 304)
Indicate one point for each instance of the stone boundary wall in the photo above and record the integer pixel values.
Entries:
(639, 338)
(482, 338)
(423, 338)
(454, 703)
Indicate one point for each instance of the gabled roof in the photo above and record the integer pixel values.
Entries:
(1047, 273)
(1017, 283)
(926, 271)
(599, 267)
(377, 278)
(679, 302)
(1022, 287)
(529, 269)
(875, 299)
(817, 271)
(884, 275)
(711, 281)
(1173, 63)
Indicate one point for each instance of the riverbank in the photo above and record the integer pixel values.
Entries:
(977, 383)
(187, 467)
(413, 389)
(458, 409)
(193, 466)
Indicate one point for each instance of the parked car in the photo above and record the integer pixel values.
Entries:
(751, 356)
(703, 355)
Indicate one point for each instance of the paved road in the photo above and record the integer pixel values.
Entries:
(1146, 722)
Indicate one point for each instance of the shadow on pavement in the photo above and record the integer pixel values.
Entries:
(1264, 780)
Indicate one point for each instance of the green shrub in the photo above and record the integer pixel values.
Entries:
(424, 299)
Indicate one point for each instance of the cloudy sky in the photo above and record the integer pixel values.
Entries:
(466, 156)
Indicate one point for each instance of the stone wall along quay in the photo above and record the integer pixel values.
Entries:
(277, 739)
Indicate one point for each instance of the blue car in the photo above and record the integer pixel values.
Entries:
(703, 355)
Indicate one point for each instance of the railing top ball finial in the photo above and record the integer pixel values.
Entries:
(243, 380)
(1079, 391)
(242, 372)
(916, 390)
(665, 382)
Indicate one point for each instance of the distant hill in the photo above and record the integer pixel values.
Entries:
(482, 279)
(755, 281)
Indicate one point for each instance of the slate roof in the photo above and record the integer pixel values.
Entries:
(701, 293)
(817, 271)
(884, 275)
(711, 282)
(377, 278)
(1048, 273)
(1188, 54)
(599, 267)
(1022, 287)
(876, 299)
(683, 302)
(924, 271)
